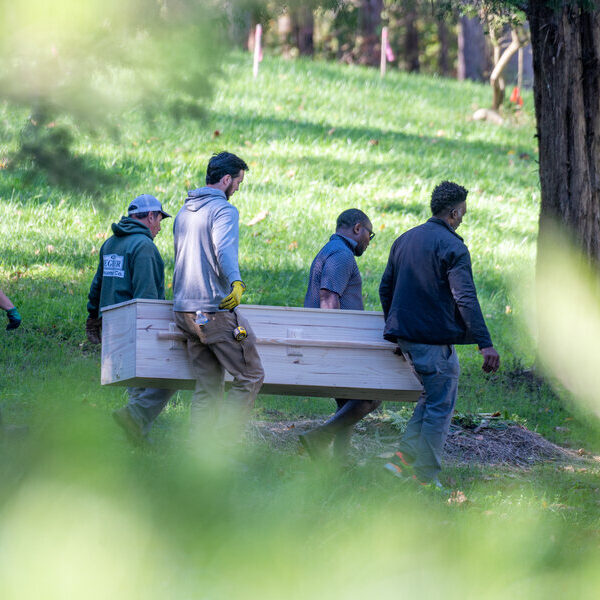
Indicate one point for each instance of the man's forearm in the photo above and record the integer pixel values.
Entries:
(328, 299)
(5, 303)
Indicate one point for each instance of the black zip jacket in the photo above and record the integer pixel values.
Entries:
(427, 290)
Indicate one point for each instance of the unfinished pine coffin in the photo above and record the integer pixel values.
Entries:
(304, 351)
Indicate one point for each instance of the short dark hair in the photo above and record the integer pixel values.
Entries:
(350, 217)
(143, 215)
(224, 163)
(446, 196)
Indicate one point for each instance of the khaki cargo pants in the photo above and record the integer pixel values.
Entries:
(212, 349)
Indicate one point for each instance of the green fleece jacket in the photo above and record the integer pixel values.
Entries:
(130, 267)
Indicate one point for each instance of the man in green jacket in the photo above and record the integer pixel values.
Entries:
(130, 267)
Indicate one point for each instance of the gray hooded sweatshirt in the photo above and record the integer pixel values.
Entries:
(206, 234)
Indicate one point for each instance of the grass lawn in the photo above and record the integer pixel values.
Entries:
(319, 138)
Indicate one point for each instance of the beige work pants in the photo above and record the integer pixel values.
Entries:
(212, 349)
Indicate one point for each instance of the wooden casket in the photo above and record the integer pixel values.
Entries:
(304, 351)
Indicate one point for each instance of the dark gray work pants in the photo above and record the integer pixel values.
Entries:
(438, 369)
(145, 404)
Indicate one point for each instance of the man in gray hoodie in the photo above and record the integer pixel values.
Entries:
(207, 286)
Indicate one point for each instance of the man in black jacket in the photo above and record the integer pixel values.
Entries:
(430, 303)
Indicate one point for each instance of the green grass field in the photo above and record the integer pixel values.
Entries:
(319, 138)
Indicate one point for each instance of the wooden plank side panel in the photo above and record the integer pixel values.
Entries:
(118, 345)
(269, 322)
(161, 359)
(335, 367)
(373, 373)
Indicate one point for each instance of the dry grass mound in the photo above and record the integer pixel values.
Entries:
(489, 443)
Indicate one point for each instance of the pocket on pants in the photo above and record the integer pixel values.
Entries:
(427, 359)
(219, 328)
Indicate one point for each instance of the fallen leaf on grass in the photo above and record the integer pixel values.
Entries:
(293, 246)
(386, 455)
(50, 248)
(373, 142)
(261, 216)
(331, 131)
(216, 133)
(457, 497)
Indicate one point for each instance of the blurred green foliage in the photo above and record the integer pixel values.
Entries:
(86, 63)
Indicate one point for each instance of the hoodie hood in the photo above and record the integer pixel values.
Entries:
(200, 197)
(130, 226)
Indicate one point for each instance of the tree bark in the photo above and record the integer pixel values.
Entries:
(443, 62)
(303, 25)
(566, 65)
(369, 21)
(411, 41)
(472, 52)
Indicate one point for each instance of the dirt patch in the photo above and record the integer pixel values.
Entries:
(511, 445)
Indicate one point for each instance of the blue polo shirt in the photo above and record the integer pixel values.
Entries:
(335, 269)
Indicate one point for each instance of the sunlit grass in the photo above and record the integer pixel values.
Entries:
(187, 520)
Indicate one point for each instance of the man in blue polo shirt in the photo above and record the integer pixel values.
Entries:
(335, 282)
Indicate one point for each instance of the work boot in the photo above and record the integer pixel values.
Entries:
(132, 429)
(348, 414)
(317, 441)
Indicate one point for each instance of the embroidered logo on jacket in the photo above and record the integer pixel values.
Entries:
(113, 266)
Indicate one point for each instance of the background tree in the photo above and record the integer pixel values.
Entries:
(473, 55)
(565, 41)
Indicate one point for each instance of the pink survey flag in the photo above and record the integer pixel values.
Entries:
(389, 53)
(258, 55)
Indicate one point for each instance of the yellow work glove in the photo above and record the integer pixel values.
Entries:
(231, 301)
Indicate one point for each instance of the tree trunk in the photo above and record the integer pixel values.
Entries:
(303, 25)
(443, 62)
(566, 65)
(472, 51)
(369, 21)
(411, 41)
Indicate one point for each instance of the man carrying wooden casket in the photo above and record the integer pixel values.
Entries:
(430, 303)
(131, 266)
(335, 282)
(207, 286)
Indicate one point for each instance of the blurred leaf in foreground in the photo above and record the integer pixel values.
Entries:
(567, 323)
(91, 61)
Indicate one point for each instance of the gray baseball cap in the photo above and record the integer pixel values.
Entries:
(146, 203)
